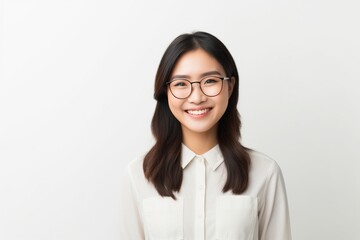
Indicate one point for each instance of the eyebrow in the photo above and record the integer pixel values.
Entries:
(201, 76)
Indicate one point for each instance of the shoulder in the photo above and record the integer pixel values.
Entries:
(134, 169)
(136, 177)
(262, 164)
(265, 176)
(135, 164)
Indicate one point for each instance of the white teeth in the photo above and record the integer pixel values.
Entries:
(198, 112)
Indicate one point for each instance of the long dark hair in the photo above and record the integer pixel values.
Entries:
(162, 164)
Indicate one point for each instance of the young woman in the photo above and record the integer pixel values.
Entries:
(198, 182)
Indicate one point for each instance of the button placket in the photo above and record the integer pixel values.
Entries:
(200, 198)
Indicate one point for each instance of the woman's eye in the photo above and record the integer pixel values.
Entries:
(180, 84)
(211, 81)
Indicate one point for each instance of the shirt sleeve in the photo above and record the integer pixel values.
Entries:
(274, 220)
(131, 226)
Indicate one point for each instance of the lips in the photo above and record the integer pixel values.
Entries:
(198, 112)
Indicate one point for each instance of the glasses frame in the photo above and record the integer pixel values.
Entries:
(199, 82)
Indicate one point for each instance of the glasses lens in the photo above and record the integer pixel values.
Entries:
(211, 86)
(180, 88)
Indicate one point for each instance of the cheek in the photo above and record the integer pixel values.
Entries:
(223, 103)
(174, 104)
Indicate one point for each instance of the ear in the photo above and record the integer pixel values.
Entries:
(231, 85)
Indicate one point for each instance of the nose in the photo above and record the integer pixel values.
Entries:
(196, 96)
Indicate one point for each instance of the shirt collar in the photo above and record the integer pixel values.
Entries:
(213, 157)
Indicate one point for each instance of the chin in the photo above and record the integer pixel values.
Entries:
(200, 129)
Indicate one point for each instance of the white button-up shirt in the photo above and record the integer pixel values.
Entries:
(201, 210)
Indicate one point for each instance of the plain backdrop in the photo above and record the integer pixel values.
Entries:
(76, 104)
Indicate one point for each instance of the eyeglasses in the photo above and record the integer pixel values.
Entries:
(211, 86)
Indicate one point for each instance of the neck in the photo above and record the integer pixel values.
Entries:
(200, 143)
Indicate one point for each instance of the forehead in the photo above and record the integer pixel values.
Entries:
(195, 63)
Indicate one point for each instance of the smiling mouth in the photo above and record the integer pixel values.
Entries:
(198, 112)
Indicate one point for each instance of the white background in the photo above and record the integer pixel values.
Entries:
(76, 104)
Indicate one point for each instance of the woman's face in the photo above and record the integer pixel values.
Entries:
(199, 113)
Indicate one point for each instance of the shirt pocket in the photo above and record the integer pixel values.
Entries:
(236, 217)
(163, 218)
